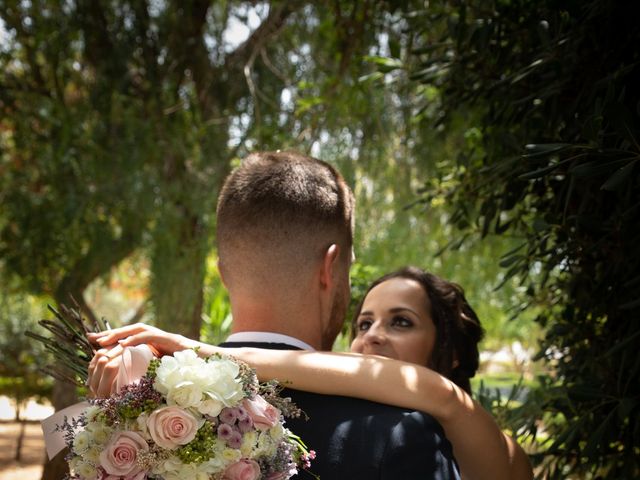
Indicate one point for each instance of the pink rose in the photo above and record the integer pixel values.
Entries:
(263, 414)
(172, 426)
(244, 469)
(119, 456)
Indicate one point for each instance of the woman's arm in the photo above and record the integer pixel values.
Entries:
(482, 450)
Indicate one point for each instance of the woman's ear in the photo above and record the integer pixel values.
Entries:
(329, 265)
(456, 362)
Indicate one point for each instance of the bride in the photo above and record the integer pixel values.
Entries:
(415, 346)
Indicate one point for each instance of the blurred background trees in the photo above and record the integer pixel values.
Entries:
(494, 144)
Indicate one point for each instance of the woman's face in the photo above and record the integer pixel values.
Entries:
(395, 322)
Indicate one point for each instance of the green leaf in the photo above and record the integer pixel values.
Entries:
(508, 261)
(599, 436)
(509, 275)
(385, 64)
(371, 77)
(596, 167)
(542, 149)
(540, 225)
(625, 407)
(630, 305)
(620, 345)
(620, 177)
(541, 172)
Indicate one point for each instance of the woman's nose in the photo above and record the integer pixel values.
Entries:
(375, 334)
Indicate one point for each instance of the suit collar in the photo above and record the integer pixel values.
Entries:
(268, 337)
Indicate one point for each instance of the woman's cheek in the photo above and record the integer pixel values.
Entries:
(356, 345)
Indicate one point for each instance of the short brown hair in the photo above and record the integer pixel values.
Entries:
(277, 212)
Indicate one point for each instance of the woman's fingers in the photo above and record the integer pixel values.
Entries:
(103, 370)
(104, 366)
(131, 335)
(109, 337)
(162, 342)
(140, 338)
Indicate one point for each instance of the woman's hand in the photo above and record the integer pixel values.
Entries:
(104, 366)
(164, 342)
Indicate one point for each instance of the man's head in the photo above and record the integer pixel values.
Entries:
(283, 221)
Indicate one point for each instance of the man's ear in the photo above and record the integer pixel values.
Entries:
(222, 273)
(329, 265)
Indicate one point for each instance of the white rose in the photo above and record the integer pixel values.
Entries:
(175, 369)
(188, 358)
(185, 377)
(212, 406)
(185, 394)
(166, 374)
(223, 383)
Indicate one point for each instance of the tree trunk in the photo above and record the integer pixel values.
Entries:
(23, 425)
(183, 233)
(178, 270)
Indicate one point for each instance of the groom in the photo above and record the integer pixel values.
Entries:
(285, 235)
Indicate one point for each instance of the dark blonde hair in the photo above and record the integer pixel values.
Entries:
(281, 210)
(458, 330)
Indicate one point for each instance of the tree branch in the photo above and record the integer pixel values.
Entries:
(100, 258)
(233, 70)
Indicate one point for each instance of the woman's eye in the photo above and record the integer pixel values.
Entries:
(401, 322)
(364, 325)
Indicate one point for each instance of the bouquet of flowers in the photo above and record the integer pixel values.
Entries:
(187, 418)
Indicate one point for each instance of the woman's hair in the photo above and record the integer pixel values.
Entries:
(458, 330)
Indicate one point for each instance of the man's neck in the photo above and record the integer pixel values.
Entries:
(262, 318)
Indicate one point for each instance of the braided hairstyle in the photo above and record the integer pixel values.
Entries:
(458, 330)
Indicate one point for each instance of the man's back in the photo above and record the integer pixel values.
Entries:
(357, 439)
(360, 440)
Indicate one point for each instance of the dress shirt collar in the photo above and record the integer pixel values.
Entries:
(268, 337)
